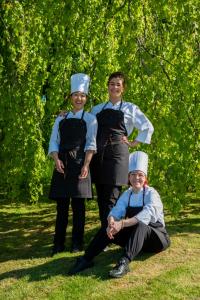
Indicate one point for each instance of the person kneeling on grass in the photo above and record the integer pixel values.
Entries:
(135, 223)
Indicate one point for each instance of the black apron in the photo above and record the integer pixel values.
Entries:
(71, 152)
(157, 227)
(110, 164)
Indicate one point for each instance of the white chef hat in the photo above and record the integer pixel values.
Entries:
(138, 161)
(80, 83)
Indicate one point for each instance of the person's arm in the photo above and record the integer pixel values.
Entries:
(58, 163)
(144, 127)
(153, 208)
(116, 214)
(91, 123)
(55, 137)
(85, 168)
(119, 210)
(137, 119)
(130, 143)
(90, 145)
(115, 226)
(54, 145)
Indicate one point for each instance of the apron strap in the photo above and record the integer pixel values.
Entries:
(143, 195)
(120, 105)
(66, 115)
(82, 115)
(104, 105)
(129, 198)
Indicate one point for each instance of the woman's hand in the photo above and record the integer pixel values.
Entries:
(129, 143)
(113, 227)
(59, 166)
(111, 221)
(62, 113)
(110, 233)
(116, 226)
(84, 172)
(109, 230)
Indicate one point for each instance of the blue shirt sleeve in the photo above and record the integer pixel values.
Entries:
(55, 137)
(91, 123)
(119, 210)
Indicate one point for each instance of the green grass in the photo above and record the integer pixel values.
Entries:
(28, 272)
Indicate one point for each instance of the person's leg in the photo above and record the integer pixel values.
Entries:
(78, 208)
(61, 225)
(132, 239)
(107, 196)
(139, 234)
(96, 246)
(157, 242)
(140, 237)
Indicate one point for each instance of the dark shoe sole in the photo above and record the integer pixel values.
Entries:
(113, 275)
(118, 276)
(76, 250)
(56, 251)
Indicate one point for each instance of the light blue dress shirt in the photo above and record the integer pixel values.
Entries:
(152, 209)
(91, 124)
(133, 118)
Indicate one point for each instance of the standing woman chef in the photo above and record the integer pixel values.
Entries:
(72, 145)
(116, 121)
(135, 223)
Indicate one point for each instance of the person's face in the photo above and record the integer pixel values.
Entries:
(137, 180)
(115, 88)
(78, 100)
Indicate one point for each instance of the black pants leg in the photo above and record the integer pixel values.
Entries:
(98, 243)
(78, 208)
(133, 239)
(107, 196)
(61, 222)
(137, 238)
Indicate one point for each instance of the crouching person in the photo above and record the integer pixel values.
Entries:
(136, 222)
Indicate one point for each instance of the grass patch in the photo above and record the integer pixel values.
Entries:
(28, 272)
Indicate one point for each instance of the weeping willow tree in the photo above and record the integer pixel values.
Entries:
(155, 43)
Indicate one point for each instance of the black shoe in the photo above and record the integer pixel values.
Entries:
(76, 248)
(121, 268)
(80, 265)
(57, 249)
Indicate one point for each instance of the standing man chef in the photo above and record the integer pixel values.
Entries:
(116, 121)
(72, 145)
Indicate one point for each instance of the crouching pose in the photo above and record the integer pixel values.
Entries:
(135, 223)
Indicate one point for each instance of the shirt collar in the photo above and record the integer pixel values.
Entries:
(77, 114)
(136, 193)
(116, 104)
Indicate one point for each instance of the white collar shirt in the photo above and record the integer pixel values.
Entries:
(152, 210)
(133, 118)
(91, 124)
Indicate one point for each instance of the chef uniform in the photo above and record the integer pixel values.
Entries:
(71, 136)
(109, 166)
(149, 234)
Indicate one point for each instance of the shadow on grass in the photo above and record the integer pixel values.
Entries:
(30, 234)
(61, 266)
(27, 232)
(188, 220)
(25, 235)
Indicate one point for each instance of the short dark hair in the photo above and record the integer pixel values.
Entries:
(118, 75)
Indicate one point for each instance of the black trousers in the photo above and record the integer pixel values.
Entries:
(107, 196)
(78, 209)
(134, 239)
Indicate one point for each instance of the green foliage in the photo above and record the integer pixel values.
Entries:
(156, 43)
